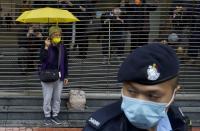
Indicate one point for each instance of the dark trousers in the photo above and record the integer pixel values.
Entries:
(194, 47)
(116, 44)
(32, 59)
(67, 35)
(82, 40)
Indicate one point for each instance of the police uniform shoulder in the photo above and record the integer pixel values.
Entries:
(175, 114)
(103, 115)
(178, 119)
(176, 111)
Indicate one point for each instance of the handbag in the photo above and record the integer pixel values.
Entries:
(51, 75)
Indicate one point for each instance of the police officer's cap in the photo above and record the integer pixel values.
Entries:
(149, 65)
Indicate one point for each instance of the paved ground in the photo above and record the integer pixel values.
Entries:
(54, 129)
(40, 129)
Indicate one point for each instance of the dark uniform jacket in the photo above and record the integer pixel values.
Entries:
(112, 118)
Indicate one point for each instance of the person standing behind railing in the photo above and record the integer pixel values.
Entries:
(137, 21)
(8, 21)
(194, 47)
(80, 10)
(34, 38)
(1, 18)
(112, 28)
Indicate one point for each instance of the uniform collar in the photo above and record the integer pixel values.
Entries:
(177, 118)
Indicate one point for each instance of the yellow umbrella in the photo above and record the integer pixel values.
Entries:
(22, 16)
(47, 15)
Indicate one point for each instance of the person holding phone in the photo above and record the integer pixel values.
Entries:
(53, 55)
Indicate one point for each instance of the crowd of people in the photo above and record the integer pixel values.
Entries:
(114, 24)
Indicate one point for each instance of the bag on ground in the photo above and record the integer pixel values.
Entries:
(77, 100)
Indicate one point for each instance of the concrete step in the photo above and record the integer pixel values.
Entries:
(36, 113)
(27, 108)
(38, 100)
(6, 99)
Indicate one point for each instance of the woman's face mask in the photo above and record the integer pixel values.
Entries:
(144, 114)
(56, 40)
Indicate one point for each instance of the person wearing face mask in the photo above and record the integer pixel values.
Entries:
(150, 81)
(113, 31)
(53, 55)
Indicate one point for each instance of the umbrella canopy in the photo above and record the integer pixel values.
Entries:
(47, 15)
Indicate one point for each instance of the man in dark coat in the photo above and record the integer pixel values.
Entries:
(137, 21)
(194, 47)
(81, 11)
(112, 32)
(150, 82)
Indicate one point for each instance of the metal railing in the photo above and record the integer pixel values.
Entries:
(103, 39)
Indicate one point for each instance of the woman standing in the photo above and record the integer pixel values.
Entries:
(53, 56)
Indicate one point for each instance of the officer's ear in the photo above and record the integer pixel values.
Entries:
(177, 88)
(175, 84)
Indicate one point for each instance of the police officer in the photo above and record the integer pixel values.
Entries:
(150, 81)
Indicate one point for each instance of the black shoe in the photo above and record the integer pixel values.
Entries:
(56, 120)
(47, 121)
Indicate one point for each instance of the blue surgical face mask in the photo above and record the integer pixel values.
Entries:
(144, 114)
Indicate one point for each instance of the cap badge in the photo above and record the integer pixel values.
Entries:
(152, 73)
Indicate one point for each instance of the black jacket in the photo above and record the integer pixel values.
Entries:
(112, 118)
(116, 26)
(136, 17)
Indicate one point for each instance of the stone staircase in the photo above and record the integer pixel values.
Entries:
(26, 111)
